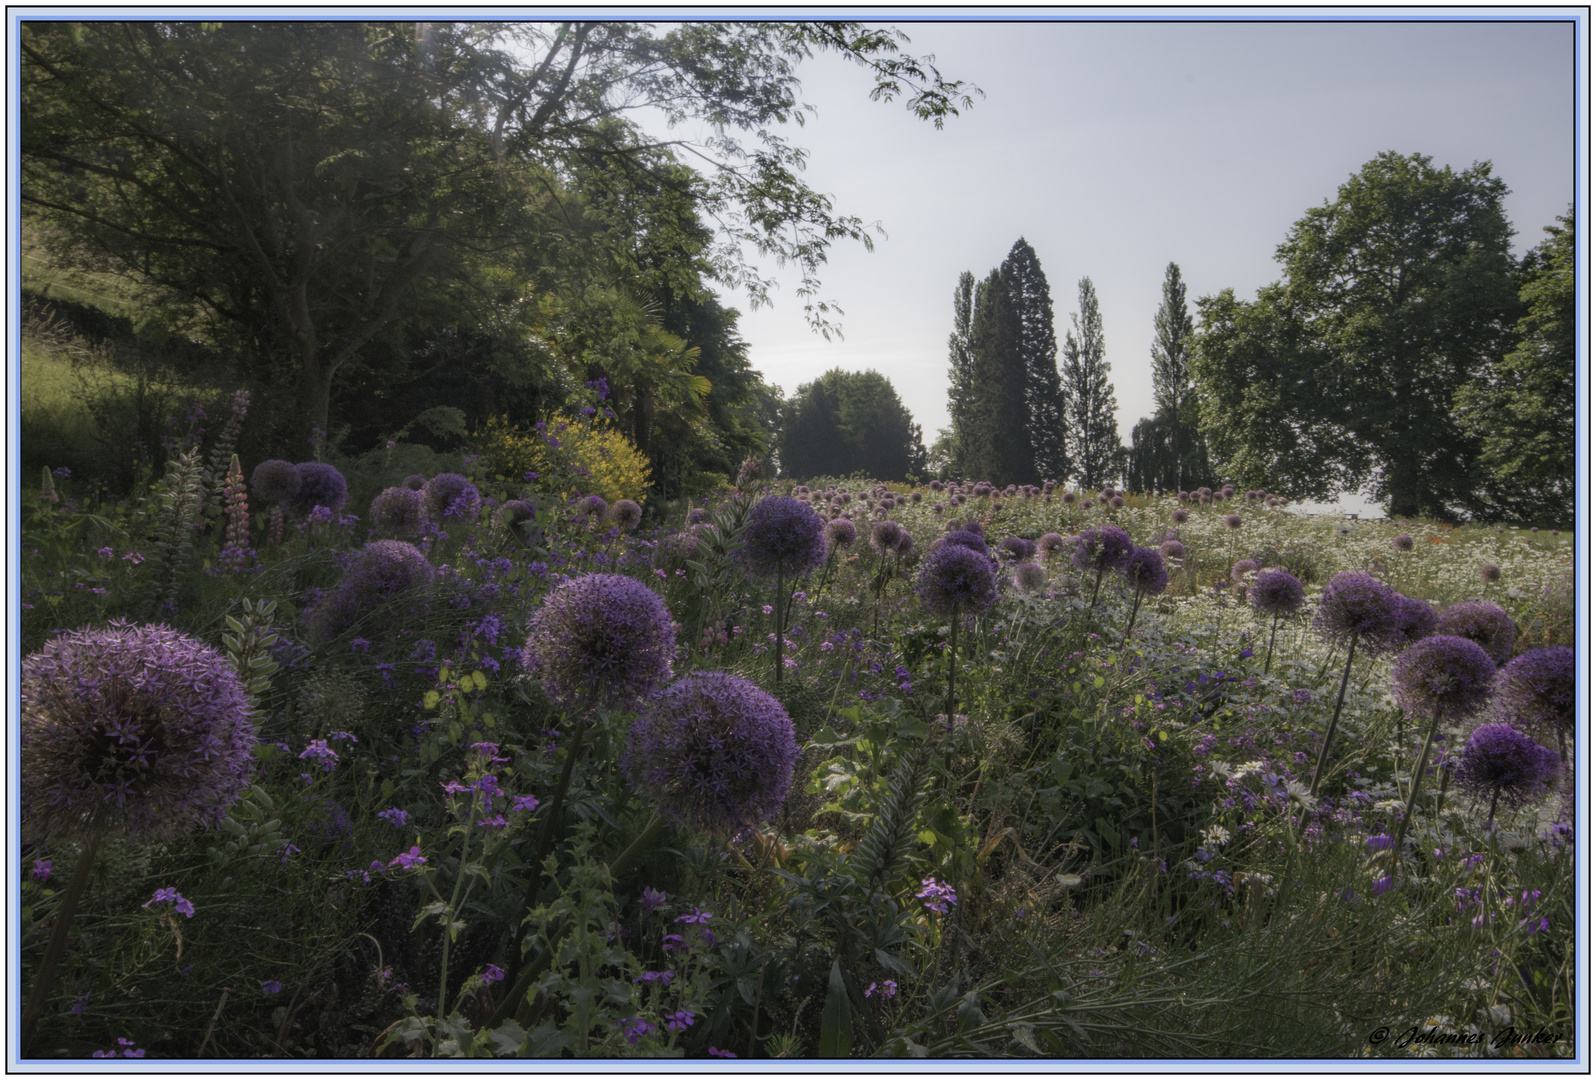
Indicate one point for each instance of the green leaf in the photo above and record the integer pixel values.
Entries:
(836, 1018)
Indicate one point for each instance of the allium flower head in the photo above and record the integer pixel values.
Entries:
(1403, 542)
(1050, 544)
(415, 482)
(1172, 549)
(1357, 607)
(1276, 593)
(450, 492)
(884, 536)
(604, 635)
(1232, 521)
(516, 511)
(274, 481)
(840, 533)
(592, 508)
(1538, 688)
(1180, 516)
(1485, 624)
(1144, 571)
(1102, 547)
(715, 750)
(397, 509)
(1450, 674)
(1116, 502)
(905, 542)
(139, 729)
(956, 577)
(380, 571)
(626, 514)
(1490, 572)
(1017, 547)
(1414, 620)
(1500, 758)
(783, 534)
(320, 484)
(1029, 576)
(965, 538)
(1241, 568)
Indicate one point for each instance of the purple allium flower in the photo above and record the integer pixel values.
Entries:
(956, 578)
(1180, 516)
(415, 482)
(592, 508)
(1483, 623)
(1115, 502)
(1403, 542)
(1069, 498)
(378, 572)
(965, 538)
(782, 534)
(397, 510)
(1500, 761)
(1490, 572)
(604, 636)
(1452, 675)
(139, 728)
(1102, 547)
(1144, 571)
(274, 481)
(936, 896)
(448, 492)
(626, 514)
(1050, 544)
(1172, 549)
(1414, 620)
(1017, 547)
(1241, 568)
(1276, 593)
(713, 749)
(840, 533)
(884, 536)
(320, 484)
(1232, 521)
(905, 542)
(1357, 607)
(1537, 688)
(1029, 576)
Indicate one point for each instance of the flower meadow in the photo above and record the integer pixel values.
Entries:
(393, 764)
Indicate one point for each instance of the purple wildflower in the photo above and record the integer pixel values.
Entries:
(715, 750)
(1357, 607)
(397, 510)
(1490, 572)
(1172, 549)
(962, 537)
(271, 986)
(1017, 547)
(379, 572)
(626, 514)
(1050, 544)
(936, 896)
(173, 897)
(1029, 576)
(1537, 688)
(394, 816)
(1413, 620)
(1101, 548)
(884, 536)
(783, 535)
(604, 636)
(1144, 571)
(135, 727)
(1403, 542)
(1449, 675)
(406, 859)
(1483, 623)
(450, 494)
(956, 578)
(840, 533)
(886, 988)
(320, 484)
(274, 481)
(1500, 761)
(42, 868)
(1276, 593)
(651, 899)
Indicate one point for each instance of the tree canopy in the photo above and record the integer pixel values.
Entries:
(1343, 375)
(1091, 433)
(849, 422)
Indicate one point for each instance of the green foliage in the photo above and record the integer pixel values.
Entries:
(1091, 437)
(1342, 375)
(1168, 452)
(849, 422)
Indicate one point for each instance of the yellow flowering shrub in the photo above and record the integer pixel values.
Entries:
(570, 457)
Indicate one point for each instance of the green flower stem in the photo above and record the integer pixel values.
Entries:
(1274, 624)
(448, 919)
(551, 825)
(781, 647)
(44, 981)
(1413, 795)
(1135, 604)
(953, 651)
(1329, 733)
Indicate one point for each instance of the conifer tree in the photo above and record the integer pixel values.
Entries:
(1182, 455)
(1091, 437)
(998, 448)
(1038, 345)
(961, 373)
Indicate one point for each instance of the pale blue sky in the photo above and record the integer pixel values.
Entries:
(1114, 148)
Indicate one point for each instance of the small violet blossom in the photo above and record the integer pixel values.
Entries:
(173, 897)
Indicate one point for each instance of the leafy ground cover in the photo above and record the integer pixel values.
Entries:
(492, 805)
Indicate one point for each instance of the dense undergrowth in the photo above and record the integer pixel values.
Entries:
(1109, 849)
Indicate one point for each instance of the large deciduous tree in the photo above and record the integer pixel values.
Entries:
(315, 186)
(1343, 375)
(1522, 410)
(1091, 434)
(849, 422)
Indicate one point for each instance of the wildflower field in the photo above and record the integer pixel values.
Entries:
(469, 768)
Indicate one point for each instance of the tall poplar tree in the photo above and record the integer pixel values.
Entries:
(961, 373)
(998, 448)
(1182, 457)
(1091, 437)
(1038, 346)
